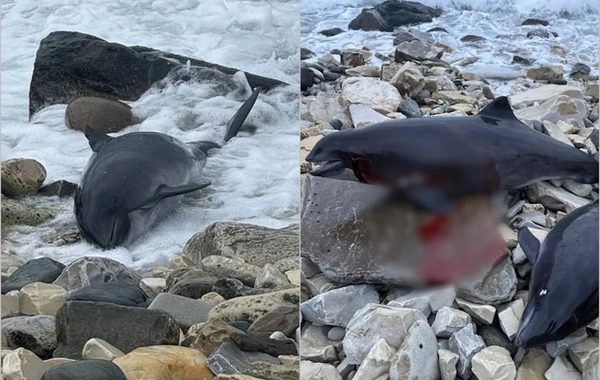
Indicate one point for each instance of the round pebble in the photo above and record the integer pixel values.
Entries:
(336, 333)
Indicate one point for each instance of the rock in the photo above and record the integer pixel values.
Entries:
(255, 245)
(559, 108)
(556, 132)
(510, 317)
(272, 371)
(581, 353)
(59, 188)
(541, 33)
(270, 277)
(190, 282)
(416, 51)
(497, 286)
(212, 298)
(369, 19)
(108, 116)
(378, 95)
(40, 298)
(211, 334)
(554, 198)
(562, 369)
(521, 60)
(336, 333)
(403, 13)
(558, 348)
(591, 371)
(224, 267)
(493, 363)
(362, 115)
(374, 322)
(119, 293)
(261, 342)
(10, 304)
(100, 349)
(337, 307)
(318, 371)
(284, 318)
(251, 308)
(377, 362)
(417, 356)
(408, 79)
(447, 361)
(579, 189)
(287, 264)
(410, 108)
(472, 38)
(411, 35)
(152, 286)
(232, 288)
(535, 21)
(331, 32)
(493, 336)
(36, 334)
(185, 311)
(124, 327)
(229, 359)
(465, 343)
(453, 97)
(306, 53)
(543, 93)
(70, 64)
(449, 320)
(21, 177)
(535, 363)
(87, 271)
(85, 370)
(316, 346)
(481, 313)
(546, 73)
(165, 362)
(43, 270)
(353, 57)
(307, 78)
(580, 71)
(22, 364)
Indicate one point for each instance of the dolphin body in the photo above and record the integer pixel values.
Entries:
(430, 160)
(563, 288)
(133, 181)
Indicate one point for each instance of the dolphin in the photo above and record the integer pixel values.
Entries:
(133, 181)
(563, 288)
(431, 160)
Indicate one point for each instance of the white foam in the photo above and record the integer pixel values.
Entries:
(254, 177)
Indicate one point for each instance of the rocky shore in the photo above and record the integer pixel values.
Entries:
(359, 324)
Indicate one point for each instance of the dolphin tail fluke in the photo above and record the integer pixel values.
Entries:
(529, 244)
(236, 122)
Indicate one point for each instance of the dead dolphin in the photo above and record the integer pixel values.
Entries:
(563, 289)
(430, 160)
(133, 181)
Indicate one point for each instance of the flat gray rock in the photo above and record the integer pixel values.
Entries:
(186, 311)
(229, 359)
(465, 343)
(497, 286)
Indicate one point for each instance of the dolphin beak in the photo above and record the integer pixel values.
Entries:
(336, 170)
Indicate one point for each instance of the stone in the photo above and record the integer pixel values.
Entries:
(410, 108)
(22, 364)
(554, 198)
(44, 270)
(562, 369)
(293, 276)
(493, 363)
(465, 343)
(22, 177)
(579, 189)
(447, 361)
(108, 116)
(255, 245)
(374, 322)
(100, 349)
(10, 304)
(378, 95)
(60, 188)
(362, 115)
(337, 307)
(211, 334)
(543, 93)
(364, 71)
(152, 286)
(449, 320)
(546, 73)
(251, 308)
(284, 318)
(417, 357)
(225, 267)
(534, 365)
(377, 362)
(85, 370)
(481, 313)
(412, 34)
(51, 363)
(416, 51)
(229, 359)
(318, 371)
(231, 288)
(40, 298)
(453, 97)
(119, 293)
(212, 298)
(497, 286)
(580, 71)
(331, 32)
(71, 64)
(472, 38)
(190, 282)
(262, 342)
(408, 79)
(494, 336)
(36, 334)
(510, 317)
(316, 346)
(555, 132)
(541, 33)
(336, 333)
(290, 263)
(560, 347)
(16, 213)
(270, 277)
(581, 353)
(87, 271)
(124, 327)
(185, 311)
(165, 362)
(591, 370)
(307, 78)
(264, 370)
(558, 108)
(398, 14)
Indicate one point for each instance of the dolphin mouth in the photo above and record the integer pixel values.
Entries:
(335, 170)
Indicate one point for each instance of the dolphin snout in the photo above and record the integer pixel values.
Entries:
(108, 233)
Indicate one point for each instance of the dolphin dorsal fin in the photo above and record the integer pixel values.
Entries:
(499, 108)
(96, 138)
(529, 244)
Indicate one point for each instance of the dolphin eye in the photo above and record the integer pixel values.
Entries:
(543, 292)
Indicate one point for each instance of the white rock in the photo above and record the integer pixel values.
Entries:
(559, 347)
(580, 189)
(556, 133)
(581, 352)
(409, 78)
(543, 93)
(562, 369)
(447, 361)
(152, 286)
(437, 298)
(270, 277)
(39, 298)
(377, 362)
(10, 303)
(417, 357)
(518, 256)
(481, 313)
(337, 307)
(96, 348)
(374, 322)
(316, 346)
(554, 109)
(51, 363)
(493, 363)
(533, 366)
(465, 343)
(591, 371)
(318, 371)
(376, 94)
(22, 364)
(362, 115)
(454, 97)
(212, 298)
(325, 106)
(419, 302)
(510, 317)
(293, 276)
(449, 320)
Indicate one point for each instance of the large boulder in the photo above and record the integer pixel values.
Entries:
(69, 65)
(85, 370)
(391, 14)
(38, 270)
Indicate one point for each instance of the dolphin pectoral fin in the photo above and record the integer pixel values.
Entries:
(96, 138)
(529, 244)
(234, 125)
(430, 199)
(202, 147)
(164, 191)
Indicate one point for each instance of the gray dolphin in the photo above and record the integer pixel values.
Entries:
(429, 160)
(563, 289)
(133, 181)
